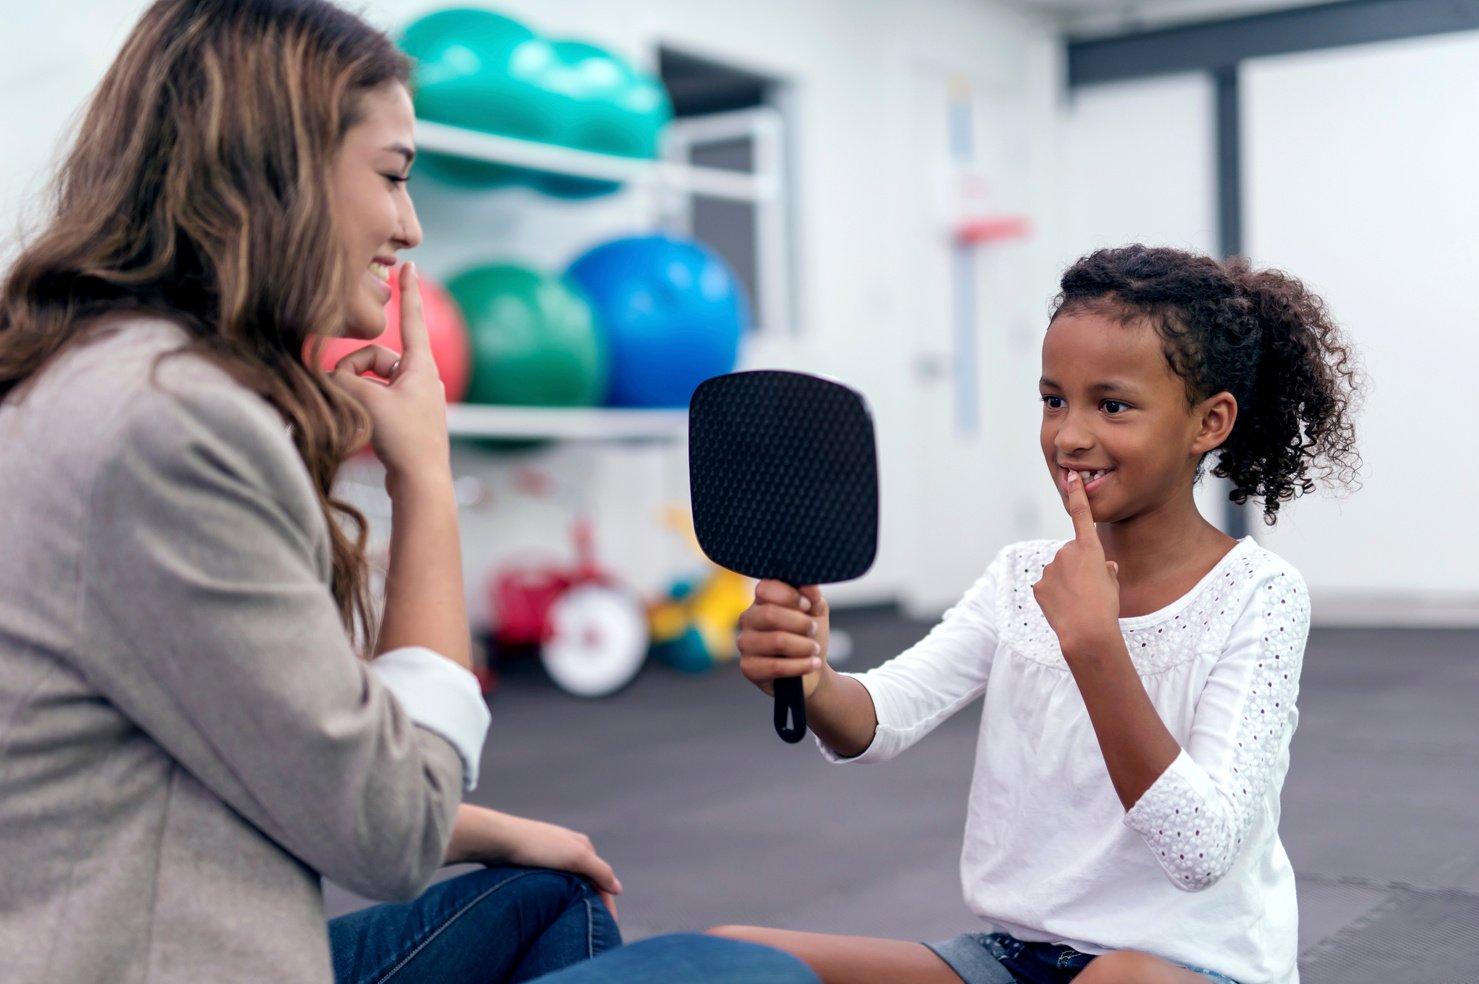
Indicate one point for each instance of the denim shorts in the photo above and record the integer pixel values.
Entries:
(996, 958)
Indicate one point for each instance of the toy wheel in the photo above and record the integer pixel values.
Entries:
(597, 640)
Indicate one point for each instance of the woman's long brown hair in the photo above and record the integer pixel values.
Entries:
(198, 189)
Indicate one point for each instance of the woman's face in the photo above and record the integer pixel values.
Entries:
(374, 212)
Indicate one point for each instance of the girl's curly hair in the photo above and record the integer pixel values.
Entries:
(1262, 336)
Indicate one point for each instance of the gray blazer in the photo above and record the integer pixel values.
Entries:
(187, 741)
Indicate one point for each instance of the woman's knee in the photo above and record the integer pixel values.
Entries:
(541, 896)
(556, 887)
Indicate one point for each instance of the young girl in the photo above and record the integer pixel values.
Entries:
(187, 739)
(1140, 678)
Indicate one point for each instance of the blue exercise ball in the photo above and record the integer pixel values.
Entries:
(672, 313)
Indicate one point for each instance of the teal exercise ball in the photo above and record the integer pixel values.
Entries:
(533, 338)
(672, 313)
(484, 71)
(618, 110)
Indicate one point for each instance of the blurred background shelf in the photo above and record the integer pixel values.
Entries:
(566, 423)
(710, 182)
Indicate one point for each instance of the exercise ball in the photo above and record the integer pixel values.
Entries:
(671, 311)
(533, 338)
(484, 71)
(445, 329)
(618, 110)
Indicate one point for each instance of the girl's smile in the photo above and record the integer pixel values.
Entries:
(1093, 478)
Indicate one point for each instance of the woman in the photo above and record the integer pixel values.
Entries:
(187, 739)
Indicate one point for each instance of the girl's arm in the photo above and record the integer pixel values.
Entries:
(1135, 742)
(1194, 806)
(885, 710)
(1197, 816)
(484, 836)
(1079, 595)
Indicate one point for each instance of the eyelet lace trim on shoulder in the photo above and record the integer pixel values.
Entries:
(1198, 622)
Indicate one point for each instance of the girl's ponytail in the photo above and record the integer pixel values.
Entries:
(1296, 425)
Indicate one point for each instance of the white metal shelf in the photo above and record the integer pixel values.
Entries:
(566, 423)
(706, 181)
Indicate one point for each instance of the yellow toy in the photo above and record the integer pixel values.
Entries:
(695, 626)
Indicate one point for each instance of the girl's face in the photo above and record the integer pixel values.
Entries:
(373, 210)
(1115, 412)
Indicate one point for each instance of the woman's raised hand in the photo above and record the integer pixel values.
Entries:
(408, 409)
(484, 836)
(784, 634)
(537, 844)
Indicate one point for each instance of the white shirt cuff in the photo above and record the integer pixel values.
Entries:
(441, 697)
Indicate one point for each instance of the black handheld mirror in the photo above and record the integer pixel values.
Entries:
(783, 478)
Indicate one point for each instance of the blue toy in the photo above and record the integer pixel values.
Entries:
(672, 313)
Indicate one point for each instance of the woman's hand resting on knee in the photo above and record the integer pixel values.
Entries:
(484, 836)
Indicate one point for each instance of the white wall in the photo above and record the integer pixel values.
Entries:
(51, 56)
(1361, 179)
(1138, 166)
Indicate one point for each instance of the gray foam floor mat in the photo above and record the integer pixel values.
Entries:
(1410, 937)
(709, 818)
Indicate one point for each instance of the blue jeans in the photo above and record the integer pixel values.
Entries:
(688, 958)
(494, 924)
(516, 924)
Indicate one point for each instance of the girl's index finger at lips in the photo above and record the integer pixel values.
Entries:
(1079, 509)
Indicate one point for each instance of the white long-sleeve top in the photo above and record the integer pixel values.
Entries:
(1195, 871)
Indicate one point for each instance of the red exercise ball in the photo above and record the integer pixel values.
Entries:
(444, 326)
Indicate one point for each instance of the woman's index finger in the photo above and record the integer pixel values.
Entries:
(415, 341)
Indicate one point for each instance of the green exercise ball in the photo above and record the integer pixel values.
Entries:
(533, 337)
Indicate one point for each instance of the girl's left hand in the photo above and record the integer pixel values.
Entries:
(1079, 592)
(484, 836)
